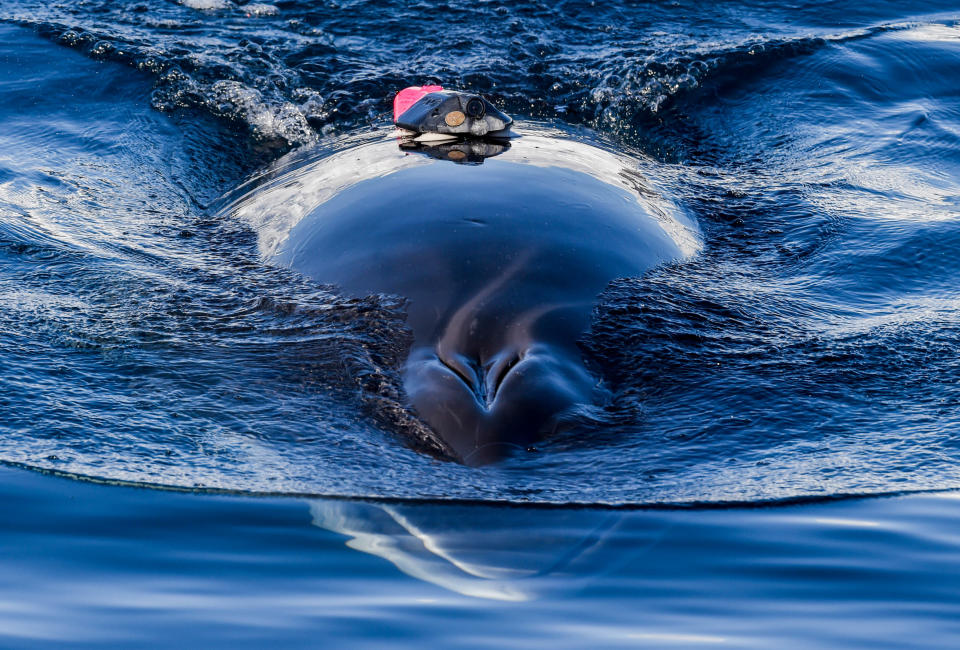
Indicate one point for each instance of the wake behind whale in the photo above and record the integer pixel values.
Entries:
(500, 264)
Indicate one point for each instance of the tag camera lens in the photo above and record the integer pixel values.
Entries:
(475, 108)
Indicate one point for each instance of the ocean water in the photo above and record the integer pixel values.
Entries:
(777, 464)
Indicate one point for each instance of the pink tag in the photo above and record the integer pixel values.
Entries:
(410, 96)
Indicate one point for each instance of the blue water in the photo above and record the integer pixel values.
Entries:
(806, 353)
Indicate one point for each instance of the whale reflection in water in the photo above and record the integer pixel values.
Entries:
(500, 262)
(493, 552)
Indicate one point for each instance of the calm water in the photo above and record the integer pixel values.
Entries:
(808, 351)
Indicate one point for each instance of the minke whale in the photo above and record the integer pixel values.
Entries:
(500, 259)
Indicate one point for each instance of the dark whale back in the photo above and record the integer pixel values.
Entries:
(521, 246)
(501, 264)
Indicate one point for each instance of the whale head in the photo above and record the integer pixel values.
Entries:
(500, 265)
(486, 410)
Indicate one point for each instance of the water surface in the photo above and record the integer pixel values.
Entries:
(807, 351)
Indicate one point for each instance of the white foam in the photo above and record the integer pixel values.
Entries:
(206, 5)
(260, 9)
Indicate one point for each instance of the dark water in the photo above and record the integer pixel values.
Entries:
(808, 350)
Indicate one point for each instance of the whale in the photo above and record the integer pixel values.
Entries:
(500, 260)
